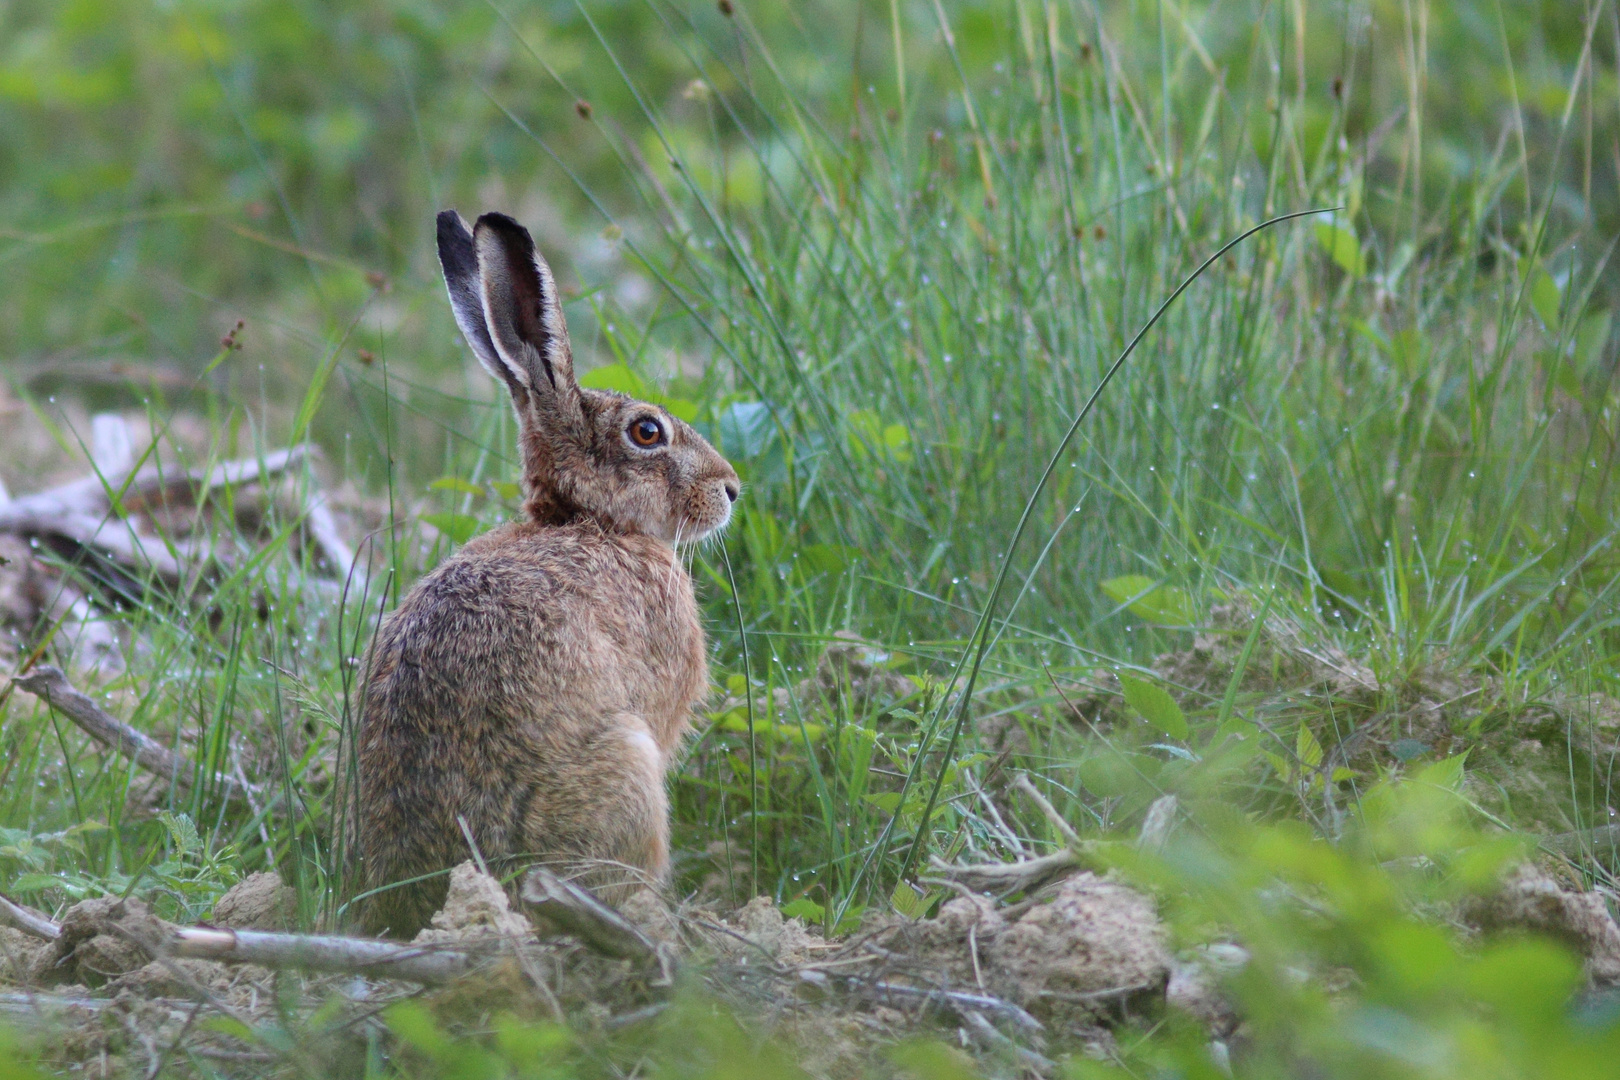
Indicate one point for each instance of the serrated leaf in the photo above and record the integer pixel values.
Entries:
(1341, 245)
(804, 908)
(1307, 749)
(907, 900)
(35, 882)
(1446, 773)
(459, 528)
(457, 484)
(1155, 705)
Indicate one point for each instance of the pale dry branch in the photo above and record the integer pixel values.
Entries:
(581, 915)
(429, 964)
(50, 683)
(28, 920)
(1004, 878)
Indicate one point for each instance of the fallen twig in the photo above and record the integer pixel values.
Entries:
(1070, 837)
(1003, 878)
(28, 920)
(956, 1001)
(51, 684)
(583, 916)
(429, 964)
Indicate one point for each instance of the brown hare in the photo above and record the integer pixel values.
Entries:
(528, 693)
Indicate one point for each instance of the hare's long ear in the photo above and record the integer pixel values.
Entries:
(522, 310)
(459, 260)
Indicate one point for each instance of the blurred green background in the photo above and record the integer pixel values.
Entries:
(169, 167)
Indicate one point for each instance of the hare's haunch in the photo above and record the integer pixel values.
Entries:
(530, 691)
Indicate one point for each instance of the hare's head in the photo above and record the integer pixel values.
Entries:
(628, 464)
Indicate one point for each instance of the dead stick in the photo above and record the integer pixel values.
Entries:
(327, 952)
(28, 920)
(51, 684)
(1070, 837)
(585, 917)
(88, 495)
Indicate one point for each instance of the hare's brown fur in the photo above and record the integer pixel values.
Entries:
(529, 693)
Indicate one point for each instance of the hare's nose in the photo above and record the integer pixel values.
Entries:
(731, 492)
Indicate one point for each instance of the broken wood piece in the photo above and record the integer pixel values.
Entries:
(1004, 878)
(427, 964)
(28, 920)
(323, 530)
(372, 957)
(581, 915)
(111, 449)
(89, 496)
(1065, 830)
(49, 683)
(956, 1001)
(1156, 826)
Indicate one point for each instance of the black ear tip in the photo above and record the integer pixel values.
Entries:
(507, 228)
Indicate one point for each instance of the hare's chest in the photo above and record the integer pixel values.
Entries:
(658, 637)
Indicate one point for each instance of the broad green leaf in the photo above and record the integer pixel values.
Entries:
(1147, 599)
(35, 882)
(1340, 242)
(804, 908)
(456, 484)
(507, 490)
(680, 408)
(615, 377)
(458, 527)
(1155, 704)
(1446, 773)
(887, 801)
(1545, 298)
(1591, 337)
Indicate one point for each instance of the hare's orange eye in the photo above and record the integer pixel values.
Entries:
(645, 432)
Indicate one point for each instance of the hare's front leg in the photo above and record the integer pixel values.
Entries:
(609, 810)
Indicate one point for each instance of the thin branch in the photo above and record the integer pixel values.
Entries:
(28, 920)
(585, 917)
(50, 683)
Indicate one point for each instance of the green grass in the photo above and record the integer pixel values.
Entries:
(886, 298)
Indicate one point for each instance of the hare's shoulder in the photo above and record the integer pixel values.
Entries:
(528, 567)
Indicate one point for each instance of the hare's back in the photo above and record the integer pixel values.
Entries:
(570, 623)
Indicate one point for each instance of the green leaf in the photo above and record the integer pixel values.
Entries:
(35, 882)
(868, 432)
(1545, 298)
(680, 408)
(615, 377)
(458, 527)
(909, 901)
(507, 490)
(1145, 598)
(1341, 245)
(1155, 704)
(1446, 773)
(1307, 749)
(1590, 339)
(886, 801)
(457, 484)
(804, 908)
